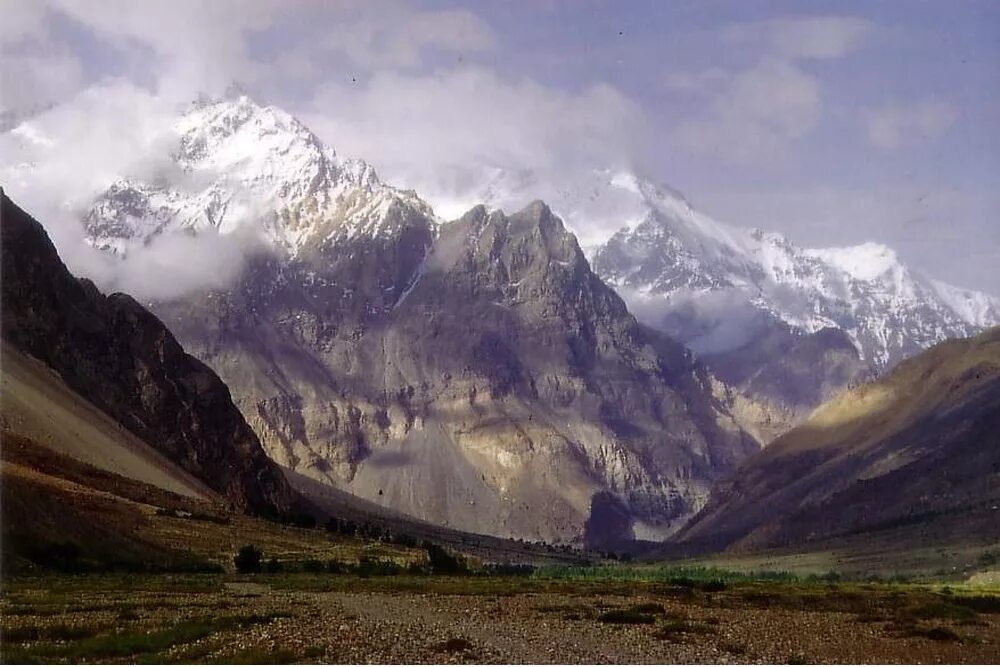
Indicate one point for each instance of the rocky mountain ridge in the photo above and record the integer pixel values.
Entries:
(504, 377)
(480, 368)
(119, 356)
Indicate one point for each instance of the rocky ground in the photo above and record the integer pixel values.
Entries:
(340, 619)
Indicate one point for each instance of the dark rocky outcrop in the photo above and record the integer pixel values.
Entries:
(118, 355)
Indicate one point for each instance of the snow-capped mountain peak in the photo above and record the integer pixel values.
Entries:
(235, 164)
(675, 253)
(866, 261)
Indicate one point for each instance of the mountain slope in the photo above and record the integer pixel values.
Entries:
(505, 377)
(920, 444)
(123, 360)
(465, 373)
(37, 405)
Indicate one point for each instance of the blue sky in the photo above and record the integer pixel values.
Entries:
(834, 122)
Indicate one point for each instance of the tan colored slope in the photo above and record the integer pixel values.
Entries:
(944, 375)
(37, 404)
(920, 444)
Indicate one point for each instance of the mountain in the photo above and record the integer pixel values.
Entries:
(124, 361)
(889, 312)
(917, 451)
(476, 374)
(238, 164)
(785, 326)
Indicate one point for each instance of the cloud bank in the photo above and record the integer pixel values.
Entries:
(464, 105)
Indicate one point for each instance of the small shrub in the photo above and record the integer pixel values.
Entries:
(315, 651)
(626, 617)
(679, 629)
(59, 556)
(733, 648)
(443, 562)
(936, 633)
(273, 566)
(648, 608)
(713, 586)
(334, 566)
(989, 558)
(403, 540)
(313, 566)
(59, 632)
(417, 568)
(369, 566)
(509, 569)
(984, 604)
(453, 645)
(248, 559)
(945, 610)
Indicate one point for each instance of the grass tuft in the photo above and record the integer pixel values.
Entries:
(129, 644)
(58, 632)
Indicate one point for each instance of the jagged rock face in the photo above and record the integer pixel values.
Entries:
(124, 360)
(500, 389)
(754, 307)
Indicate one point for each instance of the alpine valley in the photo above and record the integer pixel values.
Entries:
(486, 373)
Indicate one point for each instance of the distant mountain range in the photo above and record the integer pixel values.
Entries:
(787, 325)
(466, 373)
(887, 310)
(483, 373)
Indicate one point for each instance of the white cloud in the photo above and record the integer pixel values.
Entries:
(819, 37)
(31, 81)
(59, 160)
(449, 133)
(62, 157)
(753, 113)
(23, 20)
(189, 45)
(894, 125)
(757, 113)
(381, 39)
(35, 69)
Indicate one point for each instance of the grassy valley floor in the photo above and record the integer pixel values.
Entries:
(544, 618)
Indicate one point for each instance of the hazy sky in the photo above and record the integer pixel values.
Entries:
(834, 122)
